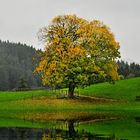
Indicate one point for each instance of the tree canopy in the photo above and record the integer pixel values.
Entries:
(77, 53)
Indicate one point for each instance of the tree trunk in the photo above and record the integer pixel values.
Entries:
(71, 91)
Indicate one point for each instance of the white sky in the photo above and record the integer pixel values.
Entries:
(20, 20)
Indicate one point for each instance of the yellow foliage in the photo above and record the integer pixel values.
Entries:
(77, 51)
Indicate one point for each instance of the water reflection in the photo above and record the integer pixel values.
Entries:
(49, 134)
(88, 128)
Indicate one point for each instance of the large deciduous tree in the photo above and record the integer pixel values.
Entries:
(77, 53)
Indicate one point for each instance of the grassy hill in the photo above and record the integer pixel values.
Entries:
(126, 90)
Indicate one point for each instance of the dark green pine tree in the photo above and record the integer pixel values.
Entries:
(16, 61)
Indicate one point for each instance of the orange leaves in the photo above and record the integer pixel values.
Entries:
(52, 65)
(78, 51)
(41, 66)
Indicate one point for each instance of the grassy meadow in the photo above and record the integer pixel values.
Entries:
(104, 97)
(125, 90)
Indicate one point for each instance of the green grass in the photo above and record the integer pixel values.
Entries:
(8, 122)
(41, 101)
(125, 90)
(12, 96)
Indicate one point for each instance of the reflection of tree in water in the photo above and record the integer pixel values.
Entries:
(71, 134)
(50, 134)
(65, 131)
(71, 131)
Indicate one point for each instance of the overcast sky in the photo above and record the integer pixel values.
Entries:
(20, 20)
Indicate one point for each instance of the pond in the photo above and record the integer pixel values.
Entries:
(84, 128)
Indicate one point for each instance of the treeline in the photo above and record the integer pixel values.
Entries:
(128, 70)
(17, 66)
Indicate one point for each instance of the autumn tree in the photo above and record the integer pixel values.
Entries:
(77, 53)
